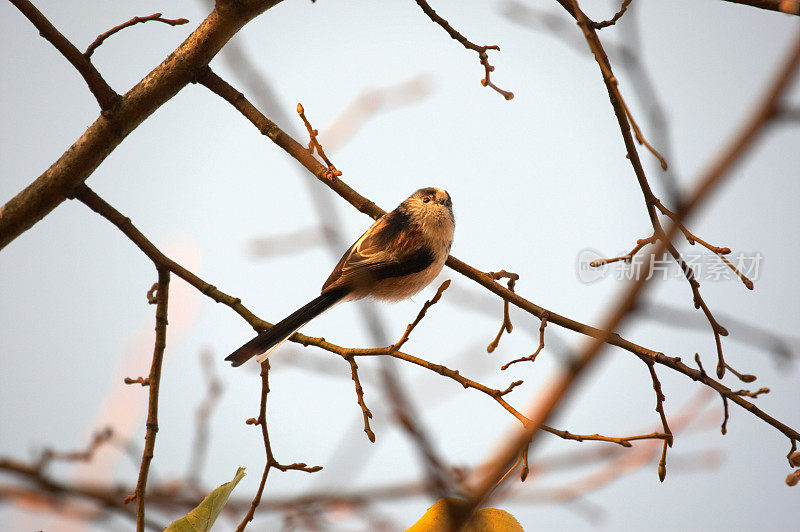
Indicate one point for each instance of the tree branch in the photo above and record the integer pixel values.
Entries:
(271, 461)
(101, 138)
(162, 298)
(548, 402)
(135, 20)
(302, 155)
(790, 7)
(106, 97)
(469, 45)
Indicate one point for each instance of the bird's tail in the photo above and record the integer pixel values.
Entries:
(268, 341)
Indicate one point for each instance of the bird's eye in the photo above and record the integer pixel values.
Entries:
(426, 199)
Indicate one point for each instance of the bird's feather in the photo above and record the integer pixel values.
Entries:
(269, 340)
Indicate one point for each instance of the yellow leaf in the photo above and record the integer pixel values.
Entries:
(202, 518)
(439, 517)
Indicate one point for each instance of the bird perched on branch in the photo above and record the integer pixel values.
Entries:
(399, 255)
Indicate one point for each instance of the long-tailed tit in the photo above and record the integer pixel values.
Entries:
(399, 255)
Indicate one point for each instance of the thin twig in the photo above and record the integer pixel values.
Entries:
(638, 132)
(662, 463)
(162, 295)
(135, 20)
(545, 405)
(719, 251)
(469, 45)
(622, 441)
(314, 144)
(428, 304)
(625, 122)
(628, 257)
(506, 326)
(754, 394)
(726, 416)
(532, 357)
(613, 20)
(271, 461)
(360, 398)
(86, 455)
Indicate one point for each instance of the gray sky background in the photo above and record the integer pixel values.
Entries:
(535, 181)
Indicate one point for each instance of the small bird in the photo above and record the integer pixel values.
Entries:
(399, 255)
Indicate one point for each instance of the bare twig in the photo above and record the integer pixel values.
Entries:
(625, 121)
(529, 17)
(622, 441)
(314, 144)
(162, 295)
(719, 251)
(638, 132)
(144, 381)
(641, 243)
(613, 20)
(532, 357)
(360, 398)
(615, 463)
(466, 43)
(271, 461)
(100, 437)
(748, 393)
(662, 463)
(428, 304)
(151, 294)
(506, 326)
(102, 92)
(545, 405)
(135, 20)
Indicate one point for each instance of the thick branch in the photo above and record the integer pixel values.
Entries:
(106, 133)
(791, 7)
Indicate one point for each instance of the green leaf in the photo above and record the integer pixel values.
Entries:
(202, 518)
(439, 517)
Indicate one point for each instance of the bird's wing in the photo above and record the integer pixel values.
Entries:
(389, 248)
